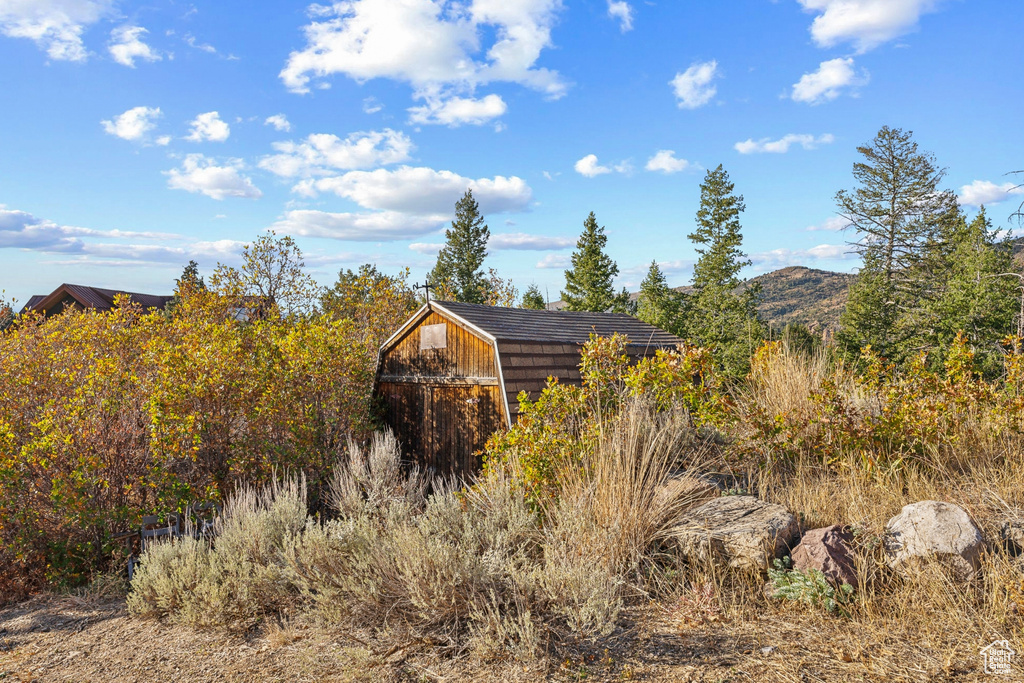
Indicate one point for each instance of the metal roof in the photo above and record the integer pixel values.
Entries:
(93, 297)
(563, 327)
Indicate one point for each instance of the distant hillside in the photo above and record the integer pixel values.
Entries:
(811, 297)
(807, 296)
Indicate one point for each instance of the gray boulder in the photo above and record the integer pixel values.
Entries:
(829, 551)
(933, 530)
(743, 531)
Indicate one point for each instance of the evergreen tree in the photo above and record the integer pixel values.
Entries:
(458, 273)
(190, 277)
(189, 281)
(721, 311)
(588, 284)
(658, 304)
(533, 299)
(899, 215)
(978, 296)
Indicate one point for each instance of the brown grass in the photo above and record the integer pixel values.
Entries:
(476, 583)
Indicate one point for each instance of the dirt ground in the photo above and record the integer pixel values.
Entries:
(62, 638)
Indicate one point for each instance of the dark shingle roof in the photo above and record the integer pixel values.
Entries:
(565, 327)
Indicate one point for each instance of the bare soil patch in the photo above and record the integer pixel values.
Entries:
(62, 638)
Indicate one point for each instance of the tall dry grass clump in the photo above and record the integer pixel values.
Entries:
(619, 501)
(854, 450)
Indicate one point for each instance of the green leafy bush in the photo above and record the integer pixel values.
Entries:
(810, 588)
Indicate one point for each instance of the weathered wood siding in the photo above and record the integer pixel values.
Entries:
(443, 426)
(443, 404)
(467, 355)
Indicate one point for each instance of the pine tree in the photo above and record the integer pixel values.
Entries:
(721, 311)
(533, 299)
(190, 281)
(459, 273)
(979, 293)
(658, 304)
(898, 213)
(588, 284)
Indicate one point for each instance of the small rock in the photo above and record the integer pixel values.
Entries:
(827, 550)
(1012, 532)
(742, 530)
(933, 530)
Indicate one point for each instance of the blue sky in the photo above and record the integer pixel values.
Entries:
(137, 136)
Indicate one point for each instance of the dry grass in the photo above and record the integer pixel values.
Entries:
(981, 470)
(464, 581)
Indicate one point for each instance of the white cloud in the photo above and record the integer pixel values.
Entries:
(832, 224)
(422, 191)
(55, 25)
(455, 111)
(379, 226)
(693, 87)
(864, 23)
(371, 105)
(782, 145)
(588, 166)
(986, 192)
(433, 45)
(402, 203)
(201, 174)
(665, 161)
(279, 122)
(780, 258)
(191, 41)
(558, 261)
(126, 46)
(623, 12)
(426, 248)
(322, 153)
(22, 230)
(524, 242)
(209, 126)
(828, 82)
(134, 124)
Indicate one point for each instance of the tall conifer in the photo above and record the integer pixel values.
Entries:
(459, 272)
(721, 311)
(588, 284)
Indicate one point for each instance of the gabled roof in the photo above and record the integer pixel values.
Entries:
(561, 327)
(497, 324)
(92, 297)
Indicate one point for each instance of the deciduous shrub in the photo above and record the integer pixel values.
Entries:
(884, 416)
(565, 423)
(106, 417)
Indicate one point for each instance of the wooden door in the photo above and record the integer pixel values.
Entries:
(459, 422)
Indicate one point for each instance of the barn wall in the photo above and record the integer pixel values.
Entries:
(467, 355)
(443, 404)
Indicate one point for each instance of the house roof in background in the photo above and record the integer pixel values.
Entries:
(92, 297)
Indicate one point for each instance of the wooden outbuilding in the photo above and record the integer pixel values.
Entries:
(451, 375)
